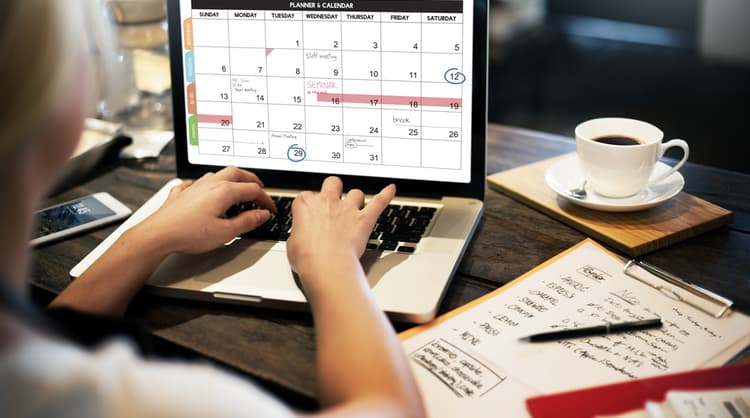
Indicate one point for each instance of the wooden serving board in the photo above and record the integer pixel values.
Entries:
(633, 233)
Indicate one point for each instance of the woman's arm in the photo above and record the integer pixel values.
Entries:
(190, 221)
(361, 368)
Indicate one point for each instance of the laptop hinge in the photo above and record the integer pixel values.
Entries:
(242, 298)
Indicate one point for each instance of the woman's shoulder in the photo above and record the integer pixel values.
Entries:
(42, 376)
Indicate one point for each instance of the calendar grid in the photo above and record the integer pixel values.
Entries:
(269, 149)
(462, 95)
(415, 119)
(231, 93)
(343, 120)
(380, 68)
(320, 49)
(304, 72)
(380, 43)
(421, 96)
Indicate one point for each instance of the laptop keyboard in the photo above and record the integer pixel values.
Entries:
(276, 228)
(399, 228)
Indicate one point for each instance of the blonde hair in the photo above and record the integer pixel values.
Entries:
(39, 45)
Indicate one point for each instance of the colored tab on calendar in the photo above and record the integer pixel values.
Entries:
(187, 33)
(193, 130)
(189, 67)
(190, 98)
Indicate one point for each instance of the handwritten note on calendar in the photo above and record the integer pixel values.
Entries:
(471, 360)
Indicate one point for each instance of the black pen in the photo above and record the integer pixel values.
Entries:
(605, 329)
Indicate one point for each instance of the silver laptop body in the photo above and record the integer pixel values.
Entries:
(376, 92)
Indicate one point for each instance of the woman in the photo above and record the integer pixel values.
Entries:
(45, 82)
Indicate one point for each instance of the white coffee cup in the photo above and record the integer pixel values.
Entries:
(614, 169)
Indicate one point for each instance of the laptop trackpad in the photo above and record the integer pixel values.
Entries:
(245, 267)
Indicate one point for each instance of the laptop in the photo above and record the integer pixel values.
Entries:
(375, 92)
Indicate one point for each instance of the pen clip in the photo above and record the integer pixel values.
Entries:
(695, 296)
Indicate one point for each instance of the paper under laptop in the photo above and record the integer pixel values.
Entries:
(374, 92)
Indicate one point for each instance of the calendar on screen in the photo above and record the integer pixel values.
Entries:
(371, 88)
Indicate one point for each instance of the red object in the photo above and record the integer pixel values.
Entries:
(221, 119)
(633, 394)
(413, 101)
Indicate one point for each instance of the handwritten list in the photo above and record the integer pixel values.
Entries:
(472, 362)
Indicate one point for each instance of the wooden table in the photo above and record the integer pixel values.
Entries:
(277, 348)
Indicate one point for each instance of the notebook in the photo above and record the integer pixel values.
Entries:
(376, 92)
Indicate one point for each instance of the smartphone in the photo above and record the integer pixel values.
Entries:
(78, 215)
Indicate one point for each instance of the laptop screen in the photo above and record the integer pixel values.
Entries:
(354, 88)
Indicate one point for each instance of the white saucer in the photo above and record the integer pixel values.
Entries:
(566, 174)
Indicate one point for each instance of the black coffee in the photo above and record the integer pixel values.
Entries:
(617, 140)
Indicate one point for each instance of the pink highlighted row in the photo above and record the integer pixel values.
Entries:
(391, 100)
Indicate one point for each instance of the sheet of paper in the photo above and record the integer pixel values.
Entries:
(147, 143)
(473, 363)
(151, 71)
(638, 413)
(97, 132)
(709, 404)
(725, 403)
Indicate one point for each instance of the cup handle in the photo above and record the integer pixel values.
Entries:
(663, 148)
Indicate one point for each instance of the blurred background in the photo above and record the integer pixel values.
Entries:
(683, 65)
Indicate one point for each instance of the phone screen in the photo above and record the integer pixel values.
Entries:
(69, 215)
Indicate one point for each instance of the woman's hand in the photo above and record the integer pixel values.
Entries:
(328, 229)
(192, 219)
